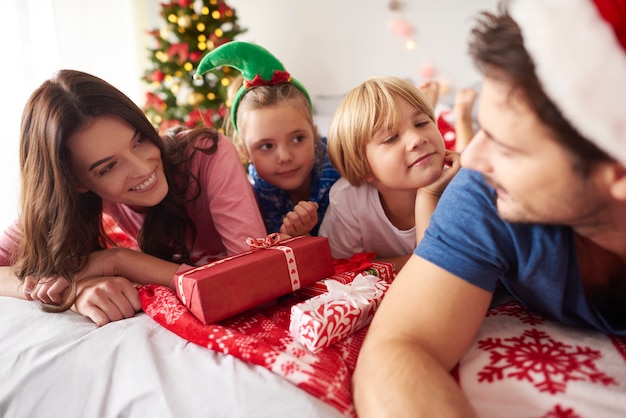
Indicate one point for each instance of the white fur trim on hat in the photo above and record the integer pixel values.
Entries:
(581, 66)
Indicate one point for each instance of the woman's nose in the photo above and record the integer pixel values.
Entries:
(140, 165)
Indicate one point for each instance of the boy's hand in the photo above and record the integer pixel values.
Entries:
(452, 164)
(301, 220)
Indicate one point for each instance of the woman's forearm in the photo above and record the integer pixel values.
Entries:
(10, 285)
(142, 268)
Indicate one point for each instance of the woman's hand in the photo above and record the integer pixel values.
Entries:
(301, 220)
(50, 290)
(106, 299)
(47, 290)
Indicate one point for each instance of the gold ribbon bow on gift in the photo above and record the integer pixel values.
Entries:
(361, 290)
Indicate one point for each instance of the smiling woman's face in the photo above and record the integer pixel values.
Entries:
(113, 160)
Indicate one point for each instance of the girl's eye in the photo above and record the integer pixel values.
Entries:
(298, 139)
(422, 124)
(265, 147)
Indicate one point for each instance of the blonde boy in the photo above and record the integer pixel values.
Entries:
(385, 143)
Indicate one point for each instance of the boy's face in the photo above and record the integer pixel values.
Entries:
(534, 176)
(280, 142)
(409, 157)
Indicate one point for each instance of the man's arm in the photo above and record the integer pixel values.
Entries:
(425, 323)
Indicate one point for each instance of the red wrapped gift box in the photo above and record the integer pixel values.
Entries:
(226, 287)
(323, 320)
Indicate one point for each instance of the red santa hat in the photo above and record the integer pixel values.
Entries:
(579, 50)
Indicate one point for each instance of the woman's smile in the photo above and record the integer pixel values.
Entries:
(146, 185)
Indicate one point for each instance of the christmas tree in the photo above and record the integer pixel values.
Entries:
(192, 28)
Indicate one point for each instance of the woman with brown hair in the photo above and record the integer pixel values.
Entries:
(87, 150)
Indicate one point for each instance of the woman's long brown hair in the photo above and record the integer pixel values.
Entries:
(62, 226)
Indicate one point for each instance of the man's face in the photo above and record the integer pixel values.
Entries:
(534, 176)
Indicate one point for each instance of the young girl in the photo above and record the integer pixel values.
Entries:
(385, 143)
(273, 128)
(87, 150)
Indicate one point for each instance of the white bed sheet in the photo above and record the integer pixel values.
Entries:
(62, 365)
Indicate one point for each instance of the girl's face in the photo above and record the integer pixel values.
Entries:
(111, 159)
(280, 142)
(409, 157)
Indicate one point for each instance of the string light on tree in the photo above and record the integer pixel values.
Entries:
(190, 29)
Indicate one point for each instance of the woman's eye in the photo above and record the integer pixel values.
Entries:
(107, 168)
(140, 140)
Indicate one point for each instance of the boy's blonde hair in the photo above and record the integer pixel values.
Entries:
(366, 110)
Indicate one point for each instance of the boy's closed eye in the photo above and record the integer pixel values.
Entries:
(389, 139)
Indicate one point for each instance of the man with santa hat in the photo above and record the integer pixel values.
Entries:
(538, 209)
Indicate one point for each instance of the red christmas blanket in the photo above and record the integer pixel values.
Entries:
(520, 362)
(261, 336)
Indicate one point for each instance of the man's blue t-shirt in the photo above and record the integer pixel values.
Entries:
(536, 263)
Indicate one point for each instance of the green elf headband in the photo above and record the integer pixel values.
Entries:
(256, 64)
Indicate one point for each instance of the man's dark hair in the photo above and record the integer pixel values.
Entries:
(497, 48)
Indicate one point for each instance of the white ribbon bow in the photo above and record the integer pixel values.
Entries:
(361, 290)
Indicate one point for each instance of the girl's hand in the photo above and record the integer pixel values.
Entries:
(452, 164)
(301, 220)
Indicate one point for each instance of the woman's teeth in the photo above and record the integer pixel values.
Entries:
(147, 183)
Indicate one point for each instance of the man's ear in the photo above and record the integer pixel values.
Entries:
(617, 179)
